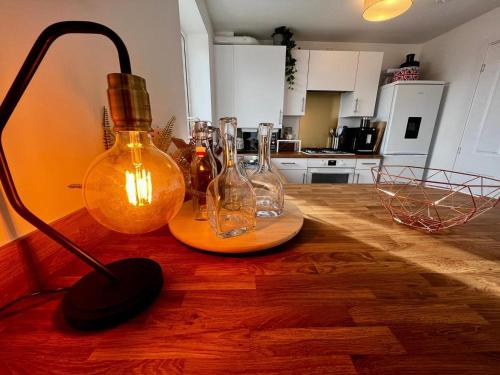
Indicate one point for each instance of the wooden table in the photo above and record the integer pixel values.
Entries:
(353, 293)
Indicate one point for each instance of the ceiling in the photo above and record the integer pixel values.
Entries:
(341, 20)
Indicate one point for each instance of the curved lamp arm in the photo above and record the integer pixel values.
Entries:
(13, 96)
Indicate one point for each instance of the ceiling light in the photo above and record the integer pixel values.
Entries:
(382, 10)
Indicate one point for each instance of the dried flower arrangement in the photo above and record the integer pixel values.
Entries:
(179, 150)
(108, 134)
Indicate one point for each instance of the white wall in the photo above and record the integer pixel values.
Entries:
(198, 73)
(202, 7)
(55, 132)
(197, 30)
(456, 57)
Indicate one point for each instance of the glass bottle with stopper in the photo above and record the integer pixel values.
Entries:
(230, 197)
(266, 183)
(215, 141)
(203, 169)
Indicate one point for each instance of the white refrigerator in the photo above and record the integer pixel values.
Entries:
(410, 109)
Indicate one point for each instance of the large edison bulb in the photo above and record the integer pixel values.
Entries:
(133, 187)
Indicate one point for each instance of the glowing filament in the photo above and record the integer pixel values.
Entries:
(139, 187)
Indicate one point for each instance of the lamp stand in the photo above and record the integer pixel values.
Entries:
(111, 293)
(94, 302)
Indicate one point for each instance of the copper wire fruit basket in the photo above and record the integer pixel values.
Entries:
(442, 200)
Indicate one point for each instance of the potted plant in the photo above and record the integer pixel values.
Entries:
(283, 36)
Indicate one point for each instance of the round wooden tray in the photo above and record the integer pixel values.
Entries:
(270, 232)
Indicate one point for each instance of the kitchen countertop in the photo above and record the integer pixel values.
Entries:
(353, 293)
(289, 154)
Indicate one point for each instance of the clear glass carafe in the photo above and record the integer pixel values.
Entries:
(266, 183)
(215, 141)
(230, 197)
(203, 169)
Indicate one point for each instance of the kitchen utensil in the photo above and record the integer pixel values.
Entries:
(331, 137)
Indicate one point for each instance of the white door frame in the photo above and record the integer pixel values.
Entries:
(484, 53)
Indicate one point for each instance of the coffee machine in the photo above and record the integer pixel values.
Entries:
(358, 140)
(365, 138)
(346, 138)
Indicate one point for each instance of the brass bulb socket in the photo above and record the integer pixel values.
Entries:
(129, 102)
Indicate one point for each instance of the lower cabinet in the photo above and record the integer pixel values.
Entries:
(294, 176)
(293, 169)
(363, 173)
(364, 176)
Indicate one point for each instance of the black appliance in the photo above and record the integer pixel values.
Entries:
(274, 141)
(365, 138)
(251, 141)
(347, 138)
(410, 61)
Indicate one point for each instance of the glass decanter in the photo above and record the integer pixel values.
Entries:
(230, 197)
(266, 183)
(215, 141)
(203, 169)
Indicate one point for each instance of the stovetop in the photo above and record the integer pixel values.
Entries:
(324, 151)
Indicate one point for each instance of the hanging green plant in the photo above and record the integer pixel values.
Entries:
(283, 36)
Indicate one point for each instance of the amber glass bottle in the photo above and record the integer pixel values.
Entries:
(203, 169)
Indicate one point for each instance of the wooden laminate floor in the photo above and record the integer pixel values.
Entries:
(353, 293)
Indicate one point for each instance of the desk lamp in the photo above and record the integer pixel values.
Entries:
(131, 188)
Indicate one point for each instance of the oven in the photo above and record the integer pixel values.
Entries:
(331, 171)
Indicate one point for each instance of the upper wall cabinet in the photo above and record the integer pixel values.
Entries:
(224, 81)
(250, 83)
(332, 70)
(361, 101)
(295, 98)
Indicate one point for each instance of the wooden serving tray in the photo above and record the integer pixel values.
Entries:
(269, 232)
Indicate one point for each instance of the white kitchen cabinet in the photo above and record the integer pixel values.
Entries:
(294, 176)
(363, 172)
(364, 176)
(259, 84)
(290, 163)
(294, 169)
(295, 98)
(361, 101)
(250, 83)
(332, 70)
(224, 81)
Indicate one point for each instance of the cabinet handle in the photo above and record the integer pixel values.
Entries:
(303, 104)
(303, 178)
(356, 105)
(288, 163)
(281, 117)
(369, 163)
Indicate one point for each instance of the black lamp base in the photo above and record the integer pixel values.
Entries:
(95, 302)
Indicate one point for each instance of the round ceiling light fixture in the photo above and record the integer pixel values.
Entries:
(383, 10)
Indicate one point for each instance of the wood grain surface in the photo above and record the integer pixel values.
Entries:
(352, 293)
(268, 233)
